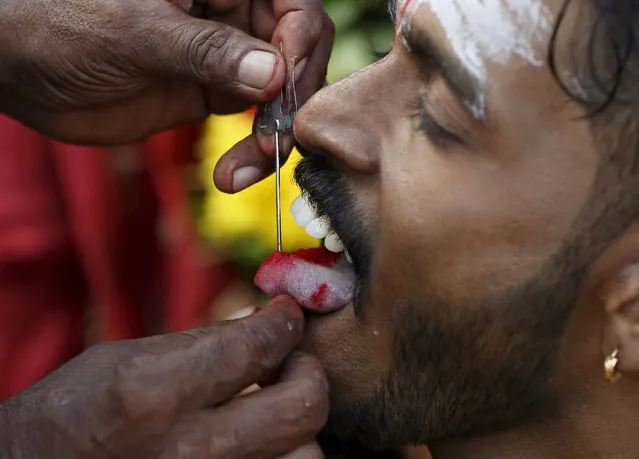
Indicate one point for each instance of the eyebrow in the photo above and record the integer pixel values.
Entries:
(457, 77)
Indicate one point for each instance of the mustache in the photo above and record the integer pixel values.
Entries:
(328, 191)
(323, 186)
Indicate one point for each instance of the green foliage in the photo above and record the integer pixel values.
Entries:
(363, 27)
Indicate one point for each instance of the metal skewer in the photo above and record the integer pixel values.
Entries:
(287, 109)
(278, 195)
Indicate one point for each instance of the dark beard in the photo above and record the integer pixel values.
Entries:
(464, 370)
(458, 369)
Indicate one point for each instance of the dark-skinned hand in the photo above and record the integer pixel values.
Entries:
(109, 72)
(174, 396)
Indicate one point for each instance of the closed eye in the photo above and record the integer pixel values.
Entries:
(433, 129)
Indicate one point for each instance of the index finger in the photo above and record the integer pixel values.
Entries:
(219, 362)
(252, 159)
(300, 18)
(245, 351)
(297, 24)
(265, 424)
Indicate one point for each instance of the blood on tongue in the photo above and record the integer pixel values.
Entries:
(319, 297)
(318, 256)
(317, 279)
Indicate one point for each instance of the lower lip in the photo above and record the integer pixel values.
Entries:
(312, 315)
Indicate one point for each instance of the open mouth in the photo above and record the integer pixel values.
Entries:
(322, 279)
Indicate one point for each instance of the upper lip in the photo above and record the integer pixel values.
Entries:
(320, 189)
(323, 185)
(321, 212)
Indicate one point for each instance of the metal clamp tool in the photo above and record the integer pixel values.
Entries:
(276, 118)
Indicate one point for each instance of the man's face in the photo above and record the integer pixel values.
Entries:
(455, 171)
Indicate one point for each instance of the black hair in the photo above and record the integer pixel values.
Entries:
(610, 48)
(604, 57)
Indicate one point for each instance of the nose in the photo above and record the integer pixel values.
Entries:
(343, 121)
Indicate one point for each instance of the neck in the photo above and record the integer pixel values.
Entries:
(591, 429)
(510, 445)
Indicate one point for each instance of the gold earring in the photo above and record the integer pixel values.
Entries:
(610, 367)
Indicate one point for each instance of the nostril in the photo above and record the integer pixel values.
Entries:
(331, 127)
(302, 130)
(339, 141)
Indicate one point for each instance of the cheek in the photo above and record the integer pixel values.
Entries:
(458, 227)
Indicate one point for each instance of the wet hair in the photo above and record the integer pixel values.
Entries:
(609, 54)
(597, 65)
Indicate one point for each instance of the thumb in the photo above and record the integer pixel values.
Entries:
(221, 59)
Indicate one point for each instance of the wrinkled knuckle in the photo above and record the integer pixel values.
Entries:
(311, 404)
(130, 367)
(259, 339)
(314, 390)
(131, 390)
(210, 52)
(307, 29)
(187, 337)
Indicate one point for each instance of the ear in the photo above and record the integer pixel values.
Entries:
(620, 296)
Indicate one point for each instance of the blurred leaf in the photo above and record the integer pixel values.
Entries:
(362, 26)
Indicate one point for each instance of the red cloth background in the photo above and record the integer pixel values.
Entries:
(77, 237)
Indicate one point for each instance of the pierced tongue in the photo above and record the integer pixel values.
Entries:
(317, 279)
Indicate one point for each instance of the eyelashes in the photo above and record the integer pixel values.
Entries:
(433, 130)
(427, 124)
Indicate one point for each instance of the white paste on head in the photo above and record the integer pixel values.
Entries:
(575, 85)
(481, 31)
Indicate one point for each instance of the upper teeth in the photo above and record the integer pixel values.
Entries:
(302, 212)
(317, 227)
(334, 243)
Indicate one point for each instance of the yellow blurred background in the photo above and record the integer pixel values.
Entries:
(249, 215)
(242, 226)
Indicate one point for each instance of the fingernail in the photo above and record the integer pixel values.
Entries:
(244, 177)
(280, 300)
(257, 69)
(300, 67)
(242, 313)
